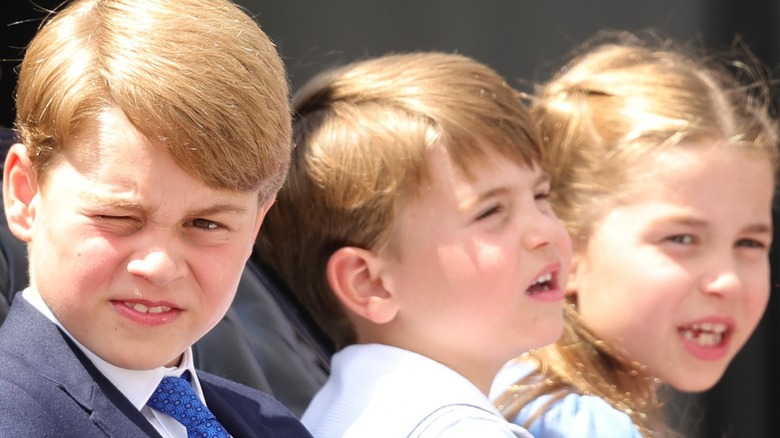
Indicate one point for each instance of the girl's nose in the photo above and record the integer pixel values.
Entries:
(722, 279)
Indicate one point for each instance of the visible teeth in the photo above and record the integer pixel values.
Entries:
(704, 339)
(138, 307)
(544, 279)
(706, 334)
(710, 327)
(159, 309)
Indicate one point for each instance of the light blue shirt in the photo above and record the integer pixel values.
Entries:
(573, 416)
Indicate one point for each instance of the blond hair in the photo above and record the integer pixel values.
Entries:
(198, 75)
(362, 132)
(599, 117)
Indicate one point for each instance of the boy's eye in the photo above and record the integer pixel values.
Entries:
(114, 219)
(119, 225)
(682, 239)
(489, 212)
(542, 195)
(205, 224)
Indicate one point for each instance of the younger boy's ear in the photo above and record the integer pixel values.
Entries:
(19, 189)
(353, 275)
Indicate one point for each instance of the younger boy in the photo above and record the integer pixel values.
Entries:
(154, 136)
(415, 227)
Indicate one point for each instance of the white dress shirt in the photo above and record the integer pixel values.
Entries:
(382, 391)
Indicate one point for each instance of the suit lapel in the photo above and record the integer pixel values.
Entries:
(56, 358)
(229, 415)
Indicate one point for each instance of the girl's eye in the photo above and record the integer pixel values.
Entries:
(682, 239)
(205, 224)
(751, 243)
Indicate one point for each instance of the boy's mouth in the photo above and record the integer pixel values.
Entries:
(138, 307)
(543, 283)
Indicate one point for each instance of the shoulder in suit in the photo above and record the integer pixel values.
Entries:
(245, 411)
(50, 389)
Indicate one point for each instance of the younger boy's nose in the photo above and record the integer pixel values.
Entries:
(157, 266)
(541, 230)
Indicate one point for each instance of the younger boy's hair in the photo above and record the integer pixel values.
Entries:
(198, 75)
(361, 134)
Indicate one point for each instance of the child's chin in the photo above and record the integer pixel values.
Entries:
(552, 332)
(696, 381)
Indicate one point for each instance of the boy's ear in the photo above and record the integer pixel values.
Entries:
(261, 212)
(353, 275)
(19, 189)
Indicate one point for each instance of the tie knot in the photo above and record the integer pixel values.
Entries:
(176, 398)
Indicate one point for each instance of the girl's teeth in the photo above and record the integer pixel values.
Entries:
(704, 339)
(710, 327)
(706, 334)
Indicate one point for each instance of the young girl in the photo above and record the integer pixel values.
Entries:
(664, 170)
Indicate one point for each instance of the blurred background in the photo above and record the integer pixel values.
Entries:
(525, 40)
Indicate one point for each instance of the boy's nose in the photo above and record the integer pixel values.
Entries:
(541, 231)
(157, 266)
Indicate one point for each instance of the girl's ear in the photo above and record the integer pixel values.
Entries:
(353, 275)
(19, 190)
(575, 273)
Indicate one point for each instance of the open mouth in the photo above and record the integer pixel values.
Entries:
(706, 334)
(542, 284)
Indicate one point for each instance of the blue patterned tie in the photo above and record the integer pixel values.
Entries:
(176, 398)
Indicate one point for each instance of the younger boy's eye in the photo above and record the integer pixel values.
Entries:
(542, 195)
(489, 212)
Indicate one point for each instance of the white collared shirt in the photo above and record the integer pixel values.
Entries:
(136, 385)
(382, 391)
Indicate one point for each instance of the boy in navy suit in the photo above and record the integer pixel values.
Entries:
(154, 135)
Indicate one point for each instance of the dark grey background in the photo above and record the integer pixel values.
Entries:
(525, 40)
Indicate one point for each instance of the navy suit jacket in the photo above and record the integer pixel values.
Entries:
(49, 388)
